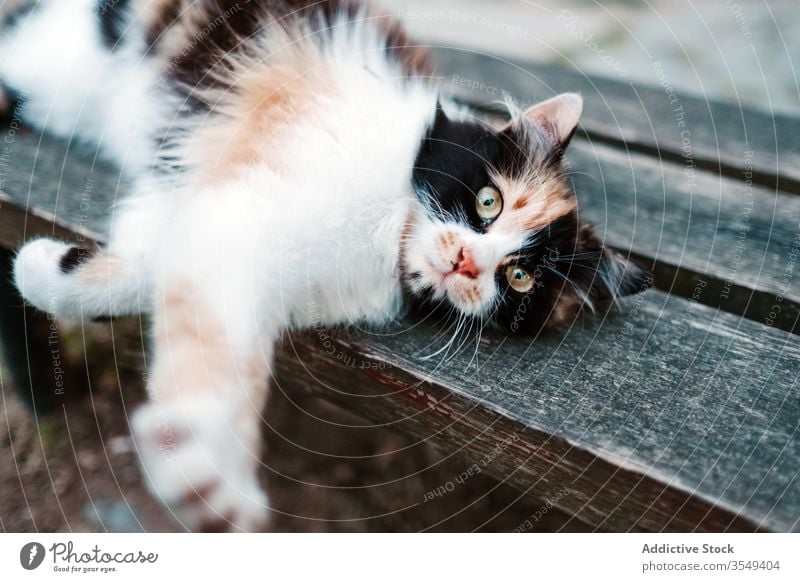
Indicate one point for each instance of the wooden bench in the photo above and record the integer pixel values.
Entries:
(679, 411)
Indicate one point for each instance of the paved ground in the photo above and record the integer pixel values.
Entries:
(725, 49)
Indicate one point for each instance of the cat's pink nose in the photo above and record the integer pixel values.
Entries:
(466, 265)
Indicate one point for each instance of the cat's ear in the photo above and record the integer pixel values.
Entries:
(557, 119)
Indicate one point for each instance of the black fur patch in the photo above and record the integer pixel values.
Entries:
(224, 26)
(221, 33)
(573, 272)
(12, 106)
(453, 164)
(75, 257)
(112, 19)
(571, 267)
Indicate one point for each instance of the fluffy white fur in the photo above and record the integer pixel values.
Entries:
(263, 252)
(74, 87)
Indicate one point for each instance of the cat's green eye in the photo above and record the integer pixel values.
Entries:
(520, 280)
(488, 203)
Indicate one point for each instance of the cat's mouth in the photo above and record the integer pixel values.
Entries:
(439, 260)
(446, 273)
(461, 289)
(441, 268)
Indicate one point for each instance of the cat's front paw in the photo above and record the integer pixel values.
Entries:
(201, 467)
(37, 273)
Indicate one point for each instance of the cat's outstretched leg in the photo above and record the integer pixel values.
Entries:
(79, 281)
(199, 437)
(87, 281)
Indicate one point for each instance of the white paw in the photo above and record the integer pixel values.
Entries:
(37, 274)
(200, 466)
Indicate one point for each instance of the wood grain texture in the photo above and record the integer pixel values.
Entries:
(666, 416)
(54, 182)
(644, 118)
(19, 224)
(729, 244)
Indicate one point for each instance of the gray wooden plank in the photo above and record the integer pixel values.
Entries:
(648, 118)
(667, 416)
(731, 244)
(54, 182)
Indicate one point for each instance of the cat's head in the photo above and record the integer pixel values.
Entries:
(499, 234)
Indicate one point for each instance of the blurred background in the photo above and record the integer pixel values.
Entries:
(746, 51)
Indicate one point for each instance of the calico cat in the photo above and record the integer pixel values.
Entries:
(292, 164)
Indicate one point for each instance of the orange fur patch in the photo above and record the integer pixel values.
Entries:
(520, 202)
(449, 245)
(266, 100)
(567, 308)
(100, 269)
(466, 291)
(195, 355)
(532, 203)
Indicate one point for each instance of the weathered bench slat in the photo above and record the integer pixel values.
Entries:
(54, 183)
(631, 415)
(646, 118)
(18, 223)
(736, 238)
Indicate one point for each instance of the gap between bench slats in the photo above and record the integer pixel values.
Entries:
(638, 117)
(720, 241)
